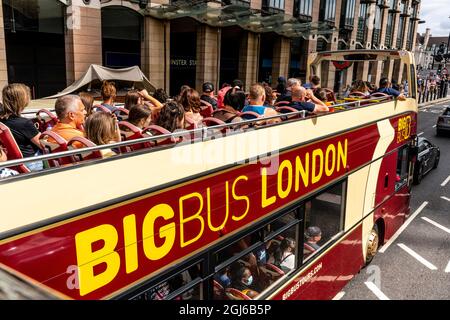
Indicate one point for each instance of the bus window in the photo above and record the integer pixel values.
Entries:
(280, 223)
(323, 219)
(184, 285)
(241, 245)
(402, 167)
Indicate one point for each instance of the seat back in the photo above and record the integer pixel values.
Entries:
(307, 250)
(248, 115)
(8, 141)
(45, 120)
(86, 144)
(56, 143)
(379, 95)
(155, 130)
(210, 122)
(234, 294)
(282, 103)
(207, 109)
(99, 107)
(286, 110)
(121, 113)
(129, 132)
(219, 291)
(357, 94)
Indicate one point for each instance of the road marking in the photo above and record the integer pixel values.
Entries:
(372, 287)
(339, 296)
(434, 126)
(436, 224)
(420, 134)
(445, 198)
(403, 227)
(418, 257)
(445, 181)
(447, 269)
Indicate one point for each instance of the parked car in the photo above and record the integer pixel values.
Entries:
(427, 159)
(443, 122)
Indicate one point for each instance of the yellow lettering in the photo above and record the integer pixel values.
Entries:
(300, 170)
(88, 259)
(264, 201)
(342, 155)
(238, 198)
(316, 176)
(130, 241)
(283, 193)
(167, 232)
(227, 209)
(196, 216)
(331, 149)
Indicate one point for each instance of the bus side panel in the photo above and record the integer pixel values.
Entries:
(326, 276)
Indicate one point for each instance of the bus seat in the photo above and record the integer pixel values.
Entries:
(44, 120)
(234, 294)
(86, 144)
(207, 109)
(272, 271)
(210, 122)
(357, 94)
(248, 115)
(219, 291)
(282, 104)
(307, 250)
(129, 132)
(155, 130)
(190, 124)
(99, 107)
(8, 141)
(59, 144)
(286, 109)
(380, 95)
(121, 113)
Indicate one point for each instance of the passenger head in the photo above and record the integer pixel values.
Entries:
(132, 98)
(161, 95)
(208, 89)
(108, 92)
(269, 95)
(315, 80)
(171, 116)
(361, 86)
(16, 96)
(287, 245)
(140, 116)
(293, 82)
(101, 128)
(235, 98)
(298, 93)
(88, 101)
(257, 95)
(313, 234)
(321, 95)
(238, 83)
(183, 88)
(70, 110)
(241, 274)
(384, 82)
(190, 100)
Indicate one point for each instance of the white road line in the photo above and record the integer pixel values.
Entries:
(372, 287)
(403, 227)
(445, 181)
(420, 134)
(339, 295)
(434, 126)
(445, 198)
(447, 269)
(418, 257)
(436, 224)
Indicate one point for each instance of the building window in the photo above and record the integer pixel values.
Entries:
(410, 44)
(327, 10)
(348, 13)
(389, 30)
(274, 4)
(305, 7)
(377, 26)
(401, 32)
(362, 20)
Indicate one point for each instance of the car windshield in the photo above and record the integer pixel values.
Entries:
(446, 112)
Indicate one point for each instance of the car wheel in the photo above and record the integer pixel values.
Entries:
(436, 161)
(419, 174)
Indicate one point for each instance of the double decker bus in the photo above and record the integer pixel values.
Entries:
(292, 210)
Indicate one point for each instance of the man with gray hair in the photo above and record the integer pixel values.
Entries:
(291, 83)
(71, 115)
(299, 101)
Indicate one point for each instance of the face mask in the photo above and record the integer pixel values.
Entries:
(249, 280)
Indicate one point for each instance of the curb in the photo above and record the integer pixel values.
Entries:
(427, 104)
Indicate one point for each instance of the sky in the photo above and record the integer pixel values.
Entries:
(436, 13)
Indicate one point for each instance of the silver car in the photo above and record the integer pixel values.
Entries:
(443, 122)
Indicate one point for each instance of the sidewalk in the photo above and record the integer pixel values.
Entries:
(429, 103)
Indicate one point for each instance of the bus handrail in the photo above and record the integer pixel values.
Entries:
(202, 133)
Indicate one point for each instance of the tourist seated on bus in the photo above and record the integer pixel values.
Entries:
(88, 101)
(161, 95)
(5, 172)
(208, 94)
(360, 86)
(234, 102)
(271, 96)
(71, 114)
(314, 83)
(322, 95)
(190, 100)
(299, 101)
(132, 98)
(171, 116)
(221, 94)
(257, 96)
(281, 86)
(223, 277)
(103, 128)
(140, 116)
(287, 96)
(108, 92)
(386, 89)
(313, 235)
(372, 87)
(242, 280)
(16, 97)
(284, 256)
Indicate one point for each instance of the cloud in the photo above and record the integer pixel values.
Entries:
(436, 13)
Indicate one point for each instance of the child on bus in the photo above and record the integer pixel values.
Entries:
(102, 128)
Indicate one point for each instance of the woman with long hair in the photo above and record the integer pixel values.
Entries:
(190, 100)
(171, 116)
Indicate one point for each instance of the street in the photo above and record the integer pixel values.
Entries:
(416, 265)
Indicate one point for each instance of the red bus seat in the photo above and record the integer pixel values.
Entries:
(155, 130)
(282, 104)
(211, 121)
(99, 107)
(288, 110)
(357, 94)
(59, 144)
(218, 291)
(121, 113)
(8, 141)
(207, 109)
(190, 124)
(129, 132)
(86, 144)
(234, 294)
(248, 115)
(307, 250)
(44, 120)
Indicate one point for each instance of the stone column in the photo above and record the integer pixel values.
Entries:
(155, 57)
(208, 56)
(83, 40)
(249, 59)
(281, 58)
(3, 64)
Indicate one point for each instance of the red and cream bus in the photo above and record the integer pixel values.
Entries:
(183, 220)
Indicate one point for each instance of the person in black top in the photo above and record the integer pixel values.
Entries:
(208, 94)
(16, 97)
